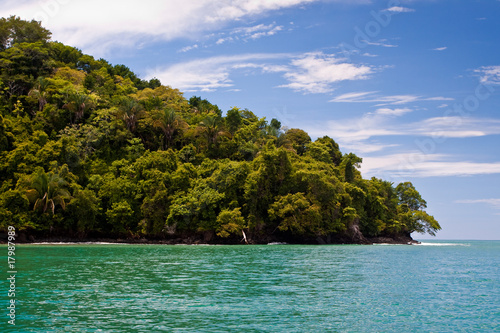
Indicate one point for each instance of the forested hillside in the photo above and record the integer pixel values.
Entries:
(88, 149)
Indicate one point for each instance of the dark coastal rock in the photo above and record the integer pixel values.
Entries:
(393, 240)
(353, 236)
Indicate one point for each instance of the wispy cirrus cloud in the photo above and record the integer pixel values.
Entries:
(259, 30)
(381, 42)
(353, 97)
(249, 33)
(420, 165)
(379, 124)
(393, 112)
(399, 9)
(189, 48)
(489, 74)
(440, 48)
(495, 203)
(375, 97)
(455, 127)
(361, 134)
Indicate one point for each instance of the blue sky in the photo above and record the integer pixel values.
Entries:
(413, 87)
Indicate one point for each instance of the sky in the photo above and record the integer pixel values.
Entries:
(412, 87)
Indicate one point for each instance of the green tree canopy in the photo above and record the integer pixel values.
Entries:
(89, 148)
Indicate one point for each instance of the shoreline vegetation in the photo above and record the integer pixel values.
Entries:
(89, 151)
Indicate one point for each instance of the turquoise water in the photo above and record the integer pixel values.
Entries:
(436, 287)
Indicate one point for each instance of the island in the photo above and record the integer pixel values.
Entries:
(89, 151)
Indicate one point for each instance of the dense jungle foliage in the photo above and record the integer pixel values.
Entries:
(88, 149)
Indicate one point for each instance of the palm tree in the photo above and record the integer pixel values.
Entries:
(47, 191)
(130, 111)
(212, 129)
(169, 123)
(77, 103)
(40, 92)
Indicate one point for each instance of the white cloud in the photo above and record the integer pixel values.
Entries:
(397, 99)
(188, 48)
(360, 134)
(315, 73)
(418, 164)
(257, 31)
(366, 147)
(355, 130)
(374, 97)
(271, 32)
(97, 26)
(247, 31)
(234, 9)
(438, 98)
(382, 42)
(245, 34)
(353, 97)
(212, 73)
(308, 73)
(223, 40)
(399, 9)
(455, 127)
(393, 112)
(440, 48)
(489, 74)
(379, 124)
(495, 203)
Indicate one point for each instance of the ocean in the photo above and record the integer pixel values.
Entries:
(438, 286)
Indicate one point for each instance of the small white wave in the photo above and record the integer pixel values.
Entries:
(277, 243)
(442, 244)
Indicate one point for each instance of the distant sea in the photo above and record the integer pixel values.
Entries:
(439, 286)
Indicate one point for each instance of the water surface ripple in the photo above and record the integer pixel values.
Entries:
(453, 287)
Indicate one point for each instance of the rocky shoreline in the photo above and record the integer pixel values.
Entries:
(24, 239)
